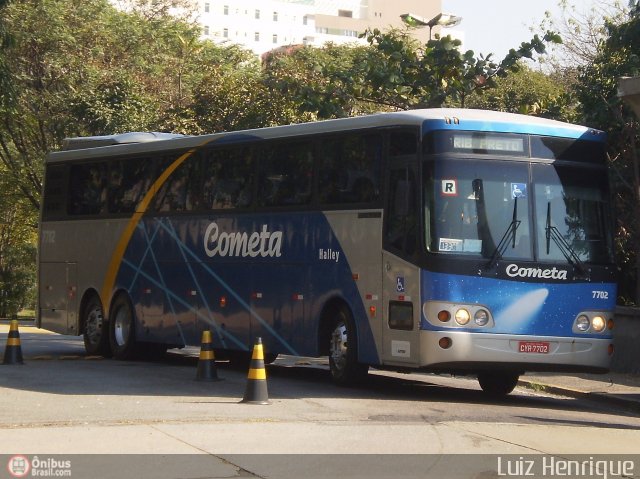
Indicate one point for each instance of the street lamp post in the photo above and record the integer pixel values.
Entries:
(442, 19)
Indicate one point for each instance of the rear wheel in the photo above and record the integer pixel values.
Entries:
(122, 335)
(498, 384)
(343, 351)
(95, 328)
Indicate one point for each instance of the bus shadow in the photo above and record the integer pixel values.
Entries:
(174, 375)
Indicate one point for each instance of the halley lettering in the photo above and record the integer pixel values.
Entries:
(515, 271)
(263, 243)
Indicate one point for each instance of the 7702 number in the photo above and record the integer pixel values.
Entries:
(600, 294)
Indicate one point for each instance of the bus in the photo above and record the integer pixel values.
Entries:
(454, 241)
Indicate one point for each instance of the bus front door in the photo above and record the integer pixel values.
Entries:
(401, 294)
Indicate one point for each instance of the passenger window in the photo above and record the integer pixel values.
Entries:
(180, 191)
(286, 175)
(403, 145)
(130, 181)
(227, 179)
(350, 169)
(88, 189)
(55, 187)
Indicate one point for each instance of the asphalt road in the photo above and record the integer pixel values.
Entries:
(62, 402)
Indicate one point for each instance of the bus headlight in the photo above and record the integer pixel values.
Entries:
(598, 323)
(462, 316)
(481, 318)
(582, 323)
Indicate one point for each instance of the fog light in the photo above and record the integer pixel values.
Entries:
(582, 323)
(445, 343)
(598, 323)
(462, 316)
(444, 316)
(611, 350)
(481, 317)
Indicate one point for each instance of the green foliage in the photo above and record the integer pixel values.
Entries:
(403, 74)
(601, 108)
(393, 72)
(17, 250)
(527, 92)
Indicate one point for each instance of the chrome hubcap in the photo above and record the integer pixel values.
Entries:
(338, 346)
(122, 327)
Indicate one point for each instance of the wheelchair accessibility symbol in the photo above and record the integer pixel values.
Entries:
(400, 284)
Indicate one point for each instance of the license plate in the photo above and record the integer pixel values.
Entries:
(537, 347)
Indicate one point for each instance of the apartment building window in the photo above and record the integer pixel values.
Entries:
(205, 30)
(206, 7)
(304, 20)
(257, 15)
(345, 13)
(225, 32)
(256, 36)
(226, 9)
(275, 16)
(275, 38)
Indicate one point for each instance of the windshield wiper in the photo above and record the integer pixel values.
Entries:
(509, 236)
(565, 248)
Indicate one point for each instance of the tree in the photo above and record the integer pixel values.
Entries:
(437, 73)
(528, 92)
(17, 250)
(601, 108)
(394, 72)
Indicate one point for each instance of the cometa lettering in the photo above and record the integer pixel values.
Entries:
(515, 271)
(262, 243)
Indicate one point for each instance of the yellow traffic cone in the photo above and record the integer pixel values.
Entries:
(13, 351)
(207, 369)
(256, 391)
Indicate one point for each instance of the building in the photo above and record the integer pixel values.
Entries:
(263, 25)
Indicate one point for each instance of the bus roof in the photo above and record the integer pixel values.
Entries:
(429, 119)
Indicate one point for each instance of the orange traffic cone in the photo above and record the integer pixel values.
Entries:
(256, 391)
(13, 351)
(207, 369)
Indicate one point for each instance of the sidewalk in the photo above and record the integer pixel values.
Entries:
(620, 389)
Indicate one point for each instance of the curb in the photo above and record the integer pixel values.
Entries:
(630, 404)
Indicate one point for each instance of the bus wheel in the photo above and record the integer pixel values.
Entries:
(343, 352)
(95, 327)
(122, 335)
(498, 384)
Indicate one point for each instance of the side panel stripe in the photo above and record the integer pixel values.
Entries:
(123, 242)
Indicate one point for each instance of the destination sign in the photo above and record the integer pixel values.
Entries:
(488, 143)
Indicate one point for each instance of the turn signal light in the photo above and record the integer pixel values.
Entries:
(445, 343)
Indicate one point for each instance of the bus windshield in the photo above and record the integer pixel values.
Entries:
(490, 209)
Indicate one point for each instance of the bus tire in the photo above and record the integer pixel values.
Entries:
(122, 329)
(343, 351)
(95, 328)
(498, 383)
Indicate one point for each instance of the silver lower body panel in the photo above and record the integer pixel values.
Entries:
(475, 351)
